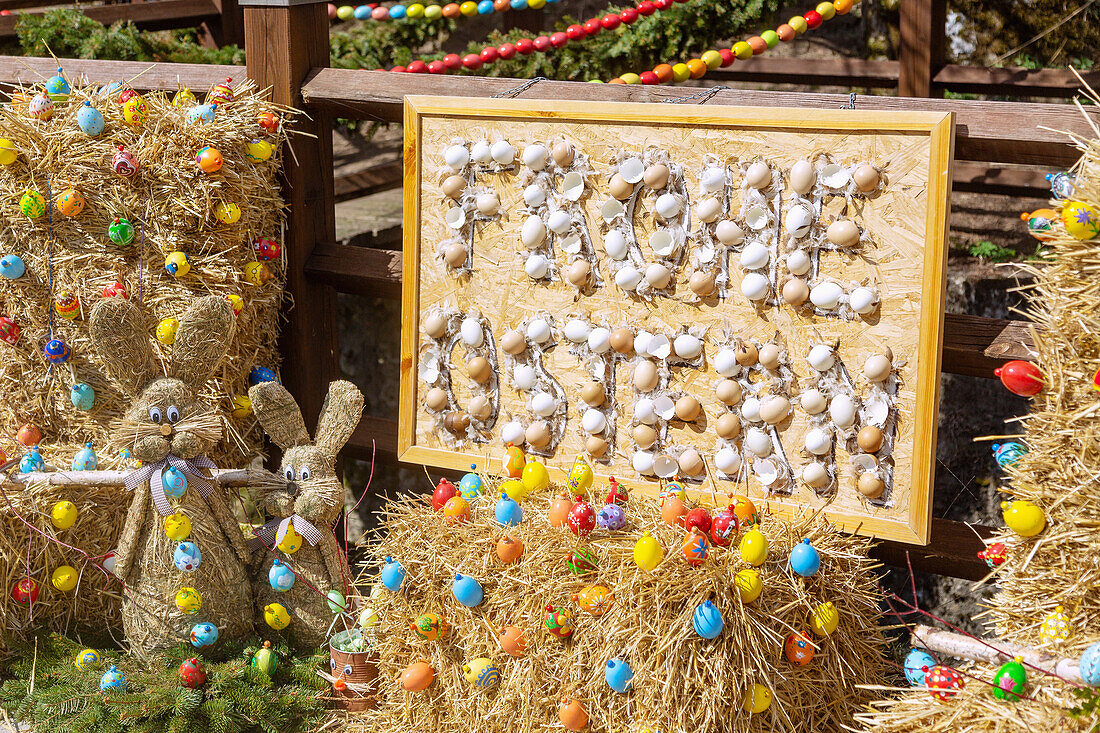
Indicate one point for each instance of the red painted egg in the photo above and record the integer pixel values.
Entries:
(1021, 377)
(444, 490)
(799, 649)
(698, 517)
(115, 290)
(723, 527)
(25, 591)
(943, 682)
(581, 519)
(192, 674)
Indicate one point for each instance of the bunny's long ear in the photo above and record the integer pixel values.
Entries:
(119, 337)
(339, 416)
(203, 338)
(279, 414)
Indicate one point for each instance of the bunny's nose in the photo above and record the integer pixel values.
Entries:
(165, 430)
(292, 488)
(339, 685)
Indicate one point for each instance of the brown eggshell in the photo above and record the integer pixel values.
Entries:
(538, 434)
(480, 407)
(644, 436)
(795, 291)
(456, 255)
(436, 399)
(866, 177)
(690, 462)
(563, 154)
(769, 356)
(578, 272)
(456, 422)
(687, 408)
(509, 549)
(645, 376)
(513, 343)
(622, 340)
(593, 394)
(869, 438)
(729, 391)
(619, 188)
(870, 485)
(453, 186)
(843, 233)
(701, 283)
(595, 446)
(775, 409)
(728, 426)
(479, 369)
(656, 176)
(746, 353)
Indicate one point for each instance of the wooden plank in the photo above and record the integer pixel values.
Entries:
(1003, 132)
(952, 551)
(1013, 81)
(282, 45)
(20, 4)
(375, 179)
(159, 14)
(228, 28)
(357, 270)
(376, 434)
(1002, 180)
(922, 49)
(143, 75)
(848, 73)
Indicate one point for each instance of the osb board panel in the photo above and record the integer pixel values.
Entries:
(904, 259)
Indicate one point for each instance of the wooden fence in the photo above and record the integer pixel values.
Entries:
(287, 50)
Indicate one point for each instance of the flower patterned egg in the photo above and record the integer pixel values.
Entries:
(1010, 680)
(559, 621)
(1082, 220)
(113, 679)
(594, 599)
(582, 519)
(1055, 627)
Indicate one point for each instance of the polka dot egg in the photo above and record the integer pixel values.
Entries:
(1055, 626)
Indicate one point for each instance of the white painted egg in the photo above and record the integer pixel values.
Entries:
(826, 295)
(488, 203)
(813, 401)
(657, 275)
(642, 462)
(644, 411)
(576, 330)
(543, 403)
(456, 157)
(668, 205)
(728, 461)
(708, 209)
(729, 233)
(756, 217)
(599, 340)
(863, 301)
(662, 243)
(481, 152)
(534, 157)
(534, 195)
(833, 176)
(523, 376)
(755, 286)
(759, 442)
(665, 465)
(536, 266)
(538, 330)
(818, 441)
(632, 170)
(725, 362)
(512, 432)
(750, 409)
(815, 475)
(802, 176)
(593, 421)
(628, 278)
(687, 346)
(471, 332)
(533, 232)
(614, 243)
(759, 175)
(798, 221)
(821, 357)
(503, 152)
(798, 262)
(664, 407)
(713, 179)
(572, 186)
(754, 256)
(843, 411)
(610, 210)
(559, 222)
(641, 342)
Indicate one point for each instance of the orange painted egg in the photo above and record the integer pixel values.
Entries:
(513, 640)
(673, 512)
(799, 649)
(559, 511)
(509, 549)
(456, 510)
(70, 203)
(417, 676)
(745, 510)
(572, 715)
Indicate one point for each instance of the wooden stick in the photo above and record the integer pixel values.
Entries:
(225, 477)
(961, 646)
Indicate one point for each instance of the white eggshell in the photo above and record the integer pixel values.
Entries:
(833, 176)
(756, 217)
(593, 421)
(725, 362)
(571, 244)
(798, 221)
(662, 243)
(729, 233)
(512, 432)
(708, 209)
(798, 262)
(664, 407)
(754, 256)
(503, 152)
(435, 325)
(750, 409)
(456, 157)
(775, 409)
(713, 179)
(534, 157)
(644, 411)
(727, 460)
(665, 466)
(657, 275)
(576, 330)
(534, 195)
(533, 232)
(471, 332)
(599, 340)
(559, 222)
(759, 442)
(455, 217)
(813, 401)
(572, 186)
(818, 441)
(632, 170)
(642, 461)
(826, 295)
(628, 278)
(536, 266)
(687, 346)
(766, 472)
(876, 411)
(523, 376)
(488, 203)
(610, 210)
(821, 357)
(668, 205)
(802, 176)
(815, 475)
(538, 330)
(614, 243)
(755, 286)
(481, 152)
(659, 346)
(759, 175)
(543, 403)
(863, 301)
(843, 411)
(864, 462)
(641, 342)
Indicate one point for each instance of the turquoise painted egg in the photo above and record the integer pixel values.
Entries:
(82, 396)
(467, 591)
(618, 674)
(203, 635)
(113, 680)
(202, 113)
(1061, 184)
(85, 459)
(1089, 665)
(804, 559)
(917, 662)
(280, 576)
(89, 120)
(393, 574)
(31, 461)
(57, 87)
(187, 557)
(12, 267)
(471, 485)
(707, 620)
(174, 482)
(508, 512)
(1008, 453)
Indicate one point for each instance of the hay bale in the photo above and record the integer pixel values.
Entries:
(681, 681)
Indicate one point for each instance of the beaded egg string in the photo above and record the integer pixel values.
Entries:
(420, 11)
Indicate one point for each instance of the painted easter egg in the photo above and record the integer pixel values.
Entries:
(337, 602)
(166, 331)
(265, 659)
(694, 547)
(32, 204)
(798, 649)
(535, 476)
(611, 517)
(124, 163)
(1082, 220)
(1006, 454)
(12, 267)
(203, 635)
(456, 510)
(9, 331)
(85, 459)
(259, 150)
(745, 510)
(280, 577)
(1010, 680)
(191, 673)
(943, 682)
(188, 600)
(183, 98)
(221, 93)
(115, 290)
(581, 562)
(1055, 626)
(805, 559)
(187, 557)
(417, 677)
(257, 273)
(71, 202)
(1089, 665)
(1040, 223)
(707, 620)
(724, 526)
(580, 476)
(514, 489)
(57, 87)
(994, 554)
(1021, 377)
(513, 640)
(467, 590)
(471, 484)
(63, 514)
(757, 699)
(673, 489)
(57, 351)
(8, 151)
(698, 517)
(31, 461)
(507, 511)
(25, 591)
(572, 714)
(513, 462)
(121, 232)
(227, 212)
(113, 680)
(429, 626)
(594, 599)
(582, 519)
(200, 114)
(559, 510)
(86, 658)
(754, 547)
(648, 552)
(559, 621)
(481, 672)
(64, 578)
(615, 494)
(673, 511)
(1061, 184)
(749, 585)
(174, 482)
(276, 616)
(618, 674)
(268, 121)
(41, 107)
(266, 249)
(917, 664)
(90, 120)
(67, 305)
(177, 527)
(209, 159)
(824, 619)
(392, 574)
(1023, 517)
(259, 374)
(134, 111)
(509, 549)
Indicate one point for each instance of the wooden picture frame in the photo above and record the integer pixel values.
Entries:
(908, 217)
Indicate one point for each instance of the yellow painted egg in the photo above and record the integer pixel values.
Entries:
(580, 476)
(754, 547)
(184, 98)
(63, 515)
(1082, 221)
(70, 203)
(134, 111)
(237, 302)
(227, 213)
(648, 552)
(369, 618)
(481, 672)
(257, 273)
(177, 526)
(166, 331)
(242, 407)
(32, 204)
(64, 578)
(177, 264)
(757, 699)
(8, 152)
(86, 658)
(1055, 626)
(188, 600)
(260, 150)
(535, 476)
(1023, 517)
(824, 619)
(673, 489)
(514, 489)
(276, 616)
(749, 586)
(291, 541)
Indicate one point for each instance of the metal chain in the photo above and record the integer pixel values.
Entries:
(517, 90)
(706, 94)
(851, 101)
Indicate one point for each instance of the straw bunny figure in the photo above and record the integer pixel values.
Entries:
(307, 501)
(169, 426)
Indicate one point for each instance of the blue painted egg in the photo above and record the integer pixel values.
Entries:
(111, 88)
(57, 351)
(707, 620)
(31, 461)
(915, 662)
(113, 680)
(57, 87)
(508, 512)
(89, 119)
(393, 574)
(467, 590)
(261, 374)
(12, 267)
(1008, 453)
(203, 635)
(618, 674)
(471, 485)
(611, 516)
(1061, 184)
(280, 576)
(187, 557)
(1089, 665)
(362, 12)
(82, 396)
(174, 482)
(202, 113)
(804, 559)
(85, 459)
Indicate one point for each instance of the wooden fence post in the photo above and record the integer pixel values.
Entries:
(284, 39)
(923, 50)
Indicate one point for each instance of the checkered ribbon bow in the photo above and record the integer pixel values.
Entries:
(152, 472)
(277, 529)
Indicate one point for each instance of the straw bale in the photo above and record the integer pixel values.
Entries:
(681, 681)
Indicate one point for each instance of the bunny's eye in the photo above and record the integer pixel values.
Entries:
(304, 473)
(332, 664)
(347, 669)
(173, 414)
(155, 416)
(289, 473)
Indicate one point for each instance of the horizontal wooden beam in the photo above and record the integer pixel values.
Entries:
(1002, 180)
(155, 14)
(951, 550)
(1014, 82)
(144, 76)
(848, 73)
(1003, 132)
(357, 270)
(375, 179)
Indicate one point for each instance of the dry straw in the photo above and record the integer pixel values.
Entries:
(682, 682)
(1061, 474)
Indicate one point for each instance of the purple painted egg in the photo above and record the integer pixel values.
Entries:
(611, 516)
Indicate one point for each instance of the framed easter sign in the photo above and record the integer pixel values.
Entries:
(744, 300)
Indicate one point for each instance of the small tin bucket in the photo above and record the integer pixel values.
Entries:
(358, 670)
